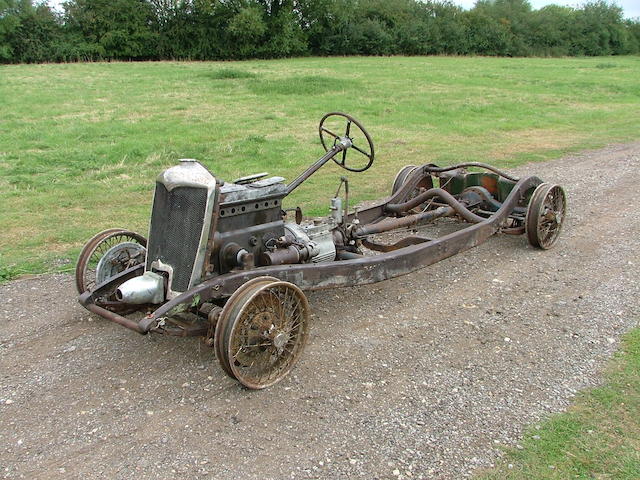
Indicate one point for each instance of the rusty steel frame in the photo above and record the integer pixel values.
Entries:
(360, 270)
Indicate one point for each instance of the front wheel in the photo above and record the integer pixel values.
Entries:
(107, 254)
(262, 332)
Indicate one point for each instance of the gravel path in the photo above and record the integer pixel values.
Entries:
(424, 376)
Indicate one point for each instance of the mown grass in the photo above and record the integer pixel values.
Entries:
(597, 438)
(81, 144)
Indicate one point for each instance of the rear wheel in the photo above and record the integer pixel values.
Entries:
(545, 215)
(107, 254)
(403, 175)
(262, 332)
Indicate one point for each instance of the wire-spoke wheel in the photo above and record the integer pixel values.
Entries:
(545, 215)
(106, 254)
(262, 332)
(401, 178)
(229, 312)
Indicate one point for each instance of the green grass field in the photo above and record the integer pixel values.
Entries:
(81, 144)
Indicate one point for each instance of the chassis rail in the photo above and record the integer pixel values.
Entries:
(341, 273)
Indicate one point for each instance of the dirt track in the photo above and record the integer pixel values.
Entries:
(424, 376)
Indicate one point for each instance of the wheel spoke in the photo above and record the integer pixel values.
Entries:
(255, 345)
(256, 362)
(361, 151)
(548, 203)
(330, 132)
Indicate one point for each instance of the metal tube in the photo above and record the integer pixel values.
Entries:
(430, 168)
(393, 223)
(436, 192)
(337, 148)
(114, 317)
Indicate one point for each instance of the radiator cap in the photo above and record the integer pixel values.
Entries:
(189, 173)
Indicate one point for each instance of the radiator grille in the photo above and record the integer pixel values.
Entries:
(176, 227)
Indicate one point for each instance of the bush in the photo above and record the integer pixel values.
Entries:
(210, 30)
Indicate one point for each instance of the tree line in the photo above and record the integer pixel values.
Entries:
(90, 30)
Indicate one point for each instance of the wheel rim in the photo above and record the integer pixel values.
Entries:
(117, 259)
(401, 176)
(268, 333)
(97, 248)
(229, 312)
(341, 158)
(546, 215)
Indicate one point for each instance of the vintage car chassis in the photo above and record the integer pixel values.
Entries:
(340, 273)
(528, 206)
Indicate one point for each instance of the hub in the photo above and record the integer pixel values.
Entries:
(280, 340)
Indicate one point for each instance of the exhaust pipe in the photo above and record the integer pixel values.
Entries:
(148, 288)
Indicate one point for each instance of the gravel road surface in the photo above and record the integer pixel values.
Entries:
(424, 376)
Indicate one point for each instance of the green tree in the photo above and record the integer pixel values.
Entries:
(9, 24)
(552, 30)
(247, 28)
(448, 32)
(633, 27)
(599, 30)
(284, 36)
(329, 26)
(112, 29)
(28, 33)
(487, 36)
(514, 16)
(232, 29)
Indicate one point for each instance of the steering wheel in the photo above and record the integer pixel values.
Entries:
(334, 139)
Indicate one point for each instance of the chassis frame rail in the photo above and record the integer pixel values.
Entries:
(341, 273)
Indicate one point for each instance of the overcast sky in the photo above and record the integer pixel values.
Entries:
(631, 7)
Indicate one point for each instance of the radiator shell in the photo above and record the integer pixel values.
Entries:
(180, 221)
